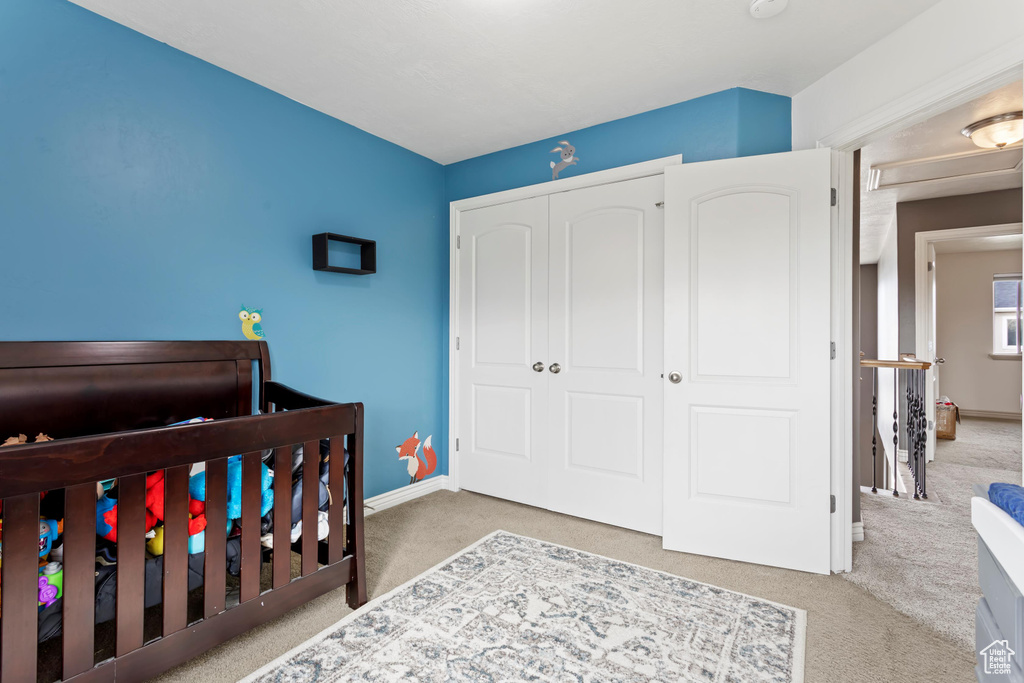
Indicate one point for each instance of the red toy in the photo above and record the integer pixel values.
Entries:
(106, 510)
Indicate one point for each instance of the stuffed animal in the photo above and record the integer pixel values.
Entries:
(197, 489)
(196, 542)
(21, 438)
(49, 530)
(106, 512)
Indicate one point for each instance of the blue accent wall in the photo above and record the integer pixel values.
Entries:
(146, 194)
(731, 123)
(765, 123)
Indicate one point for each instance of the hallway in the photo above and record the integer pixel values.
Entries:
(921, 556)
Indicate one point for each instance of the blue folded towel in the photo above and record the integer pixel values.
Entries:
(1009, 497)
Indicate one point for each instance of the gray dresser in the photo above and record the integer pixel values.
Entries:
(999, 621)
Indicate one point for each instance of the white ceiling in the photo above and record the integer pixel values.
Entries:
(938, 135)
(453, 79)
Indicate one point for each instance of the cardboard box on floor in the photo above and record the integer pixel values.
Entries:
(947, 415)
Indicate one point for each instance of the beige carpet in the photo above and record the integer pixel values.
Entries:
(851, 636)
(922, 556)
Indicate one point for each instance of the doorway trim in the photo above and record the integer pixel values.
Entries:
(643, 169)
(1002, 66)
(922, 298)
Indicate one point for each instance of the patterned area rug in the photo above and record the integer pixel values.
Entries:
(511, 608)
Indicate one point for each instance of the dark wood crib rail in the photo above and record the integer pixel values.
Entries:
(76, 464)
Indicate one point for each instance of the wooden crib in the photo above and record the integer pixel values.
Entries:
(106, 405)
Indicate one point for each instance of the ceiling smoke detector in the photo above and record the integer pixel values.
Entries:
(762, 9)
(997, 132)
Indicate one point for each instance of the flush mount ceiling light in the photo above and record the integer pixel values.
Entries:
(996, 132)
(762, 9)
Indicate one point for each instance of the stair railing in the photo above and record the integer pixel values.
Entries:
(914, 372)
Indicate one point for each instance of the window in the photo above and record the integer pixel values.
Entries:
(1006, 314)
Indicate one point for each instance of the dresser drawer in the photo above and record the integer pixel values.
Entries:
(1004, 601)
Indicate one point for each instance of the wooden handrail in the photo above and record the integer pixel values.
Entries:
(908, 363)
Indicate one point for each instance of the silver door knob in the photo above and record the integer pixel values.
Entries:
(538, 367)
(555, 368)
(940, 361)
(675, 377)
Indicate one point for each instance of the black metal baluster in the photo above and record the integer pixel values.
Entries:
(924, 438)
(912, 423)
(874, 429)
(895, 429)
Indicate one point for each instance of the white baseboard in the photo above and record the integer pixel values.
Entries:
(405, 494)
(858, 530)
(990, 414)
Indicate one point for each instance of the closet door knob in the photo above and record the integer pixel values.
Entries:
(555, 368)
(675, 377)
(538, 367)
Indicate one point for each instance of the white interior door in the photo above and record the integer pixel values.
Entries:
(606, 337)
(747, 317)
(503, 330)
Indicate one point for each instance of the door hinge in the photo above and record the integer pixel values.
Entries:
(832, 504)
(832, 348)
(456, 444)
(835, 197)
(458, 241)
(458, 343)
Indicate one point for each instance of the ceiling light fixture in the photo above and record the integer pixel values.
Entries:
(762, 9)
(997, 132)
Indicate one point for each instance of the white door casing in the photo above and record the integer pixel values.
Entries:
(747, 327)
(606, 335)
(932, 394)
(925, 306)
(503, 313)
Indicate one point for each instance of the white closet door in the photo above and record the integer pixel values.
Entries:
(747, 313)
(606, 333)
(503, 402)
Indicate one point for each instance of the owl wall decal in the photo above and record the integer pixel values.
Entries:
(251, 318)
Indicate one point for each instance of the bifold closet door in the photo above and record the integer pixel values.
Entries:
(503, 328)
(606, 336)
(747, 332)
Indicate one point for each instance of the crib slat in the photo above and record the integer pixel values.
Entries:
(356, 590)
(79, 578)
(282, 516)
(310, 503)
(131, 561)
(336, 511)
(216, 536)
(175, 549)
(20, 582)
(250, 587)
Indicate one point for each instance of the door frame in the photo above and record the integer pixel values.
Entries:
(643, 169)
(1002, 66)
(922, 297)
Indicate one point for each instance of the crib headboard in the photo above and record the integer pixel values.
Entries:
(68, 389)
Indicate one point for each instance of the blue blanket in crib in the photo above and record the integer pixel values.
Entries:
(1009, 497)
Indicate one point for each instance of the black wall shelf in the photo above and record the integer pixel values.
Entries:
(367, 254)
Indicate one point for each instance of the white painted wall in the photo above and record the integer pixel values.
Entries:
(972, 379)
(888, 333)
(951, 37)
